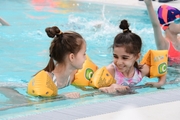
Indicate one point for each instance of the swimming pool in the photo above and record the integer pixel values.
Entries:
(24, 45)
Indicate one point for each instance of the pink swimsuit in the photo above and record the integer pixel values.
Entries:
(173, 55)
(122, 80)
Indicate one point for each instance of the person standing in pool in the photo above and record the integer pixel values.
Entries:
(67, 54)
(125, 69)
(169, 20)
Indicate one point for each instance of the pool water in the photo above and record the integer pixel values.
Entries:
(24, 46)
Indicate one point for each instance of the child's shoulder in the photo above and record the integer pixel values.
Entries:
(111, 69)
(145, 70)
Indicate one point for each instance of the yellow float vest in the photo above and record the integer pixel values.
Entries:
(42, 85)
(83, 75)
(157, 60)
(102, 78)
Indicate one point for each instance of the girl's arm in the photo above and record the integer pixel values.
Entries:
(114, 88)
(161, 82)
(161, 42)
(111, 70)
(3, 22)
(146, 72)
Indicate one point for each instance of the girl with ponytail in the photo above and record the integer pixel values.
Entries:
(67, 53)
(125, 69)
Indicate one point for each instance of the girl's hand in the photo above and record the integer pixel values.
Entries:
(153, 84)
(107, 90)
(72, 95)
(114, 88)
(111, 89)
(122, 89)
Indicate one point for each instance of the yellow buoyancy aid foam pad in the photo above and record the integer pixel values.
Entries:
(102, 78)
(157, 60)
(42, 85)
(83, 75)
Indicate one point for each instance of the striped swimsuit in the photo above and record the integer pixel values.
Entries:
(55, 81)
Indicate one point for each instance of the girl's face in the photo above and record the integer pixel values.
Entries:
(80, 57)
(174, 28)
(123, 60)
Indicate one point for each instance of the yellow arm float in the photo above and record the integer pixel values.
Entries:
(42, 85)
(157, 60)
(83, 75)
(102, 78)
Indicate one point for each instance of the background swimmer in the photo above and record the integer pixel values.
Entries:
(169, 20)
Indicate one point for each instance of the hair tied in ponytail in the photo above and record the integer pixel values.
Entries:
(125, 30)
(50, 55)
(60, 33)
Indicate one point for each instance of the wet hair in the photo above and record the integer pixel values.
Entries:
(130, 41)
(61, 45)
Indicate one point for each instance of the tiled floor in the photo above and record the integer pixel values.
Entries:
(161, 105)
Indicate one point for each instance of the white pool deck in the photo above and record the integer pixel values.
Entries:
(163, 105)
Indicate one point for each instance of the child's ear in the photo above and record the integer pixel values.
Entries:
(138, 56)
(71, 57)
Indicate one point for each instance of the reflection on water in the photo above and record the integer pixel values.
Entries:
(55, 6)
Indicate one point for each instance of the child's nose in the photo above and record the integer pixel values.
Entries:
(119, 61)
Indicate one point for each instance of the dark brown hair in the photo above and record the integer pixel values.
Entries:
(61, 45)
(130, 41)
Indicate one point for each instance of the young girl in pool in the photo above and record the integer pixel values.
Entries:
(169, 20)
(125, 69)
(67, 54)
